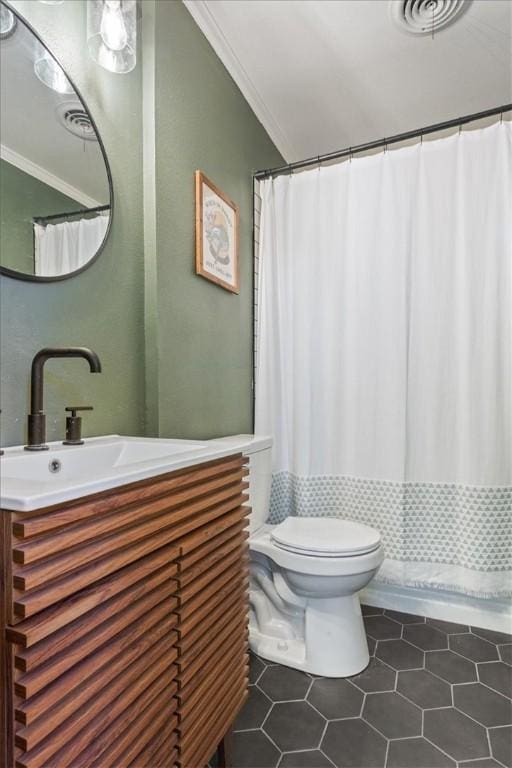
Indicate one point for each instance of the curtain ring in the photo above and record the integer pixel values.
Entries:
(385, 145)
(501, 117)
(350, 154)
(421, 139)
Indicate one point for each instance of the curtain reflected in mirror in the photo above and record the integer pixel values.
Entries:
(55, 191)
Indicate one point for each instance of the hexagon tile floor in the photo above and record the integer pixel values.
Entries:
(435, 695)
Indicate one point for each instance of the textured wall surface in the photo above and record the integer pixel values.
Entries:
(103, 307)
(22, 196)
(176, 349)
(204, 332)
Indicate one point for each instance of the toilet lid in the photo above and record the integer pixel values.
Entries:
(325, 536)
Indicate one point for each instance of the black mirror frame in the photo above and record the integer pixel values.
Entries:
(57, 278)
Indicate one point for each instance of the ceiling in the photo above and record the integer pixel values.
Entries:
(325, 74)
(33, 136)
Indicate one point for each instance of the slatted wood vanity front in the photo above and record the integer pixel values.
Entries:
(125, 623)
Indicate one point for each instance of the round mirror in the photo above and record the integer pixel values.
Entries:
(55, 184)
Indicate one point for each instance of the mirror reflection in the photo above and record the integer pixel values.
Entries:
(55, 196)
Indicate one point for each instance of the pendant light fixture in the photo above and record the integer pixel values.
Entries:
(50, 73)
(8, 22)
(112, 34)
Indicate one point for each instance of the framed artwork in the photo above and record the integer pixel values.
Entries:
(216, 235)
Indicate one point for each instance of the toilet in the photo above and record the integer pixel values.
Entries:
(305, 575)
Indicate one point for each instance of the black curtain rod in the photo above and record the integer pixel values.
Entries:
(349, 151)
(80, 212)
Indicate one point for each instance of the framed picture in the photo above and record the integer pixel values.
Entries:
(216, 235)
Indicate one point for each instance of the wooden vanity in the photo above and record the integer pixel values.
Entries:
(125, 623)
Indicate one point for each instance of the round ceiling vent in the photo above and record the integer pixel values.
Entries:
(76, 120)
(426, 17)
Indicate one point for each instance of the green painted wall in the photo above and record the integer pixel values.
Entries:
(22, 196)
(204, 343)
(176, 349)
(102, 308)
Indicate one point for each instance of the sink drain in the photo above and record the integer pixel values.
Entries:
(54, 466)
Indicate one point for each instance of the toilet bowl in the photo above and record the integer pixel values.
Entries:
(305, 574)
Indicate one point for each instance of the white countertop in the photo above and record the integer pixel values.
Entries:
(27, 481)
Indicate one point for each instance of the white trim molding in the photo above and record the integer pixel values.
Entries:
(202, 15)
(40, 173)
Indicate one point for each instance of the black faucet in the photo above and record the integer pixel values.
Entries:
(37, 418)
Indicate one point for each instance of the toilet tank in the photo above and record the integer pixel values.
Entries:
(258, 450)
(260, 480)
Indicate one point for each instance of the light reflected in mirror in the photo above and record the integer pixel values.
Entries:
(55, 192)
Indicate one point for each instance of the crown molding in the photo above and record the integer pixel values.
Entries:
(40, 173)
(206, 22)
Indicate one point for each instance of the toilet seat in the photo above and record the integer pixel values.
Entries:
(325, 537)
(262, 542)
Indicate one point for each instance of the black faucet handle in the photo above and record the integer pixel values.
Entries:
(75, 408)
(74, 424)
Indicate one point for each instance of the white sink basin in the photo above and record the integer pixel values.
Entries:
(79, 463)
(31, 480)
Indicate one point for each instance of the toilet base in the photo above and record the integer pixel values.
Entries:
(333, 643)
(290, 653)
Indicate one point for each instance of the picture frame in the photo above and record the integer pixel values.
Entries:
(217, 232)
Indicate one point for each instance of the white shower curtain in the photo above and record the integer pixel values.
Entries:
(384, 353)
(65, 247)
